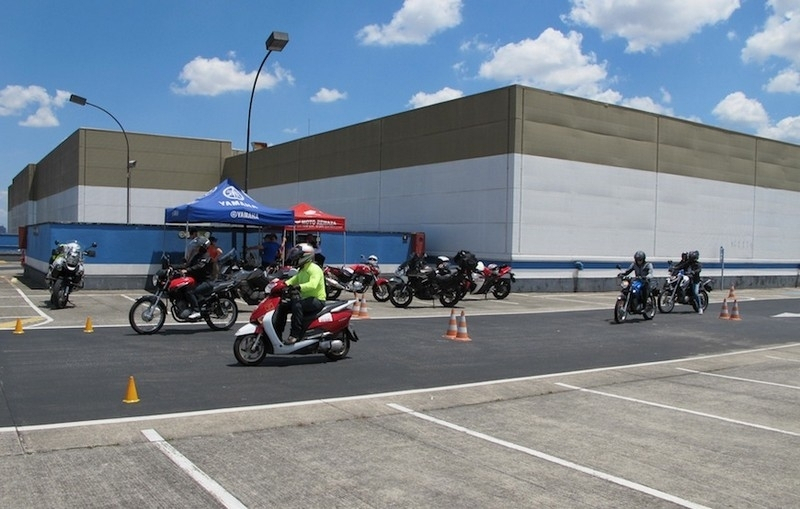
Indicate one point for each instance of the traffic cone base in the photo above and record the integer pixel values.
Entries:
(723, 315)
(88, 327)
(357, 308)
(363, 311)
(452, 327)
(131, 396)
(18, 327)
(735, 312)
(461, 334)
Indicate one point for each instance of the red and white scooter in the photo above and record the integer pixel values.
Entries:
(328, 332)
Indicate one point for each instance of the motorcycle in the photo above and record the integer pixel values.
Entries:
(414, 278)
(217, 307)
(677, 289)
(65, 274)
(357, 278)
(328, 332)
(491, 278)
(629, 301)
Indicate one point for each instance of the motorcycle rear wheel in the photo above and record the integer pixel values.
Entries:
(449, 297)
(332, 293)
(335, 356)
(401, 296)
(58, 297)
(620, 313)
(650, 308)
(380, 292)
(666, 302)
(501, 289)
(222, 314)
(139, 320)
(249, 349)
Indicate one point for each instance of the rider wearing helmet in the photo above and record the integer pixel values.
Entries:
(693, 268)
(201, 268)
(310, 280)
(643, 270)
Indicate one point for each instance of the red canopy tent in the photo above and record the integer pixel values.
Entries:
(308, 218)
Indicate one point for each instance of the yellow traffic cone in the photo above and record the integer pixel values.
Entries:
(452, 327)
(724, 313)
(18, 327)
(461, 334)
(131, 396)
(735, 313)
(88, 327)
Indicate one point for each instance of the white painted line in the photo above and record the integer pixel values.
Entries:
(552, 459)
(679, 409)
(222, 495)
(47, 319)
(787, 315)
(781, 358)
(739, 379)
(231, 410)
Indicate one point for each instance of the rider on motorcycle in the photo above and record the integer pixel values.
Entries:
(643, 270)
(692, 270)
(310, 281)
(201, 268)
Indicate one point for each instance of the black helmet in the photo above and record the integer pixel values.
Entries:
(639, 257)
(202, 246)
(694, 256)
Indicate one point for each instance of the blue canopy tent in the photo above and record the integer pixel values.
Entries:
(228, 204)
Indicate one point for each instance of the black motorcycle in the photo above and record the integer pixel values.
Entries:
(629, 300)
(415, 278)
(65, 274)
(677, 289)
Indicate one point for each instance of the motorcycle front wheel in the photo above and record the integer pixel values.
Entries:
(249, 349)
(501, 289)
(222, 314)
(666, 302)
(147, 315)
(401, 296)
(620, 313)
(58, 297)
(380, 292)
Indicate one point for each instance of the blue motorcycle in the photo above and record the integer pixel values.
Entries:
(630, 300)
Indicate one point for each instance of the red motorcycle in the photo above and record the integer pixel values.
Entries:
(217, 308)
(328, 332)
(490, 278)
(357, 278)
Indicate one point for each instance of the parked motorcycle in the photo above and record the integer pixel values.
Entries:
(148, 314)
(629, 301)
(677, 289)
(492, 278)
(65, 274)
(328, 332)
(415, 278)
(357, 278)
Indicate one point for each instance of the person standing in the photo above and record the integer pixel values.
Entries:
(214, 251)
(192, 246)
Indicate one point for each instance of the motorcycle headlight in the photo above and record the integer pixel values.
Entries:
(625, 283)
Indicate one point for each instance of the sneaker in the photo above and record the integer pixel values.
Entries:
(291, 340)
(194, 316)
(700, 311)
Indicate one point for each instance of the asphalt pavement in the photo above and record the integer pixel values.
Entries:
(549, 404)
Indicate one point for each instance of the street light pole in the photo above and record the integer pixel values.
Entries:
(129, 164)
(275, 42)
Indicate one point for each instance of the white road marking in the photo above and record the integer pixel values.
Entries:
(552, 459)
(738, 378)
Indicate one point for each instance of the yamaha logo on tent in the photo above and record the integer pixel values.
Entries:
(232, 193)
(241, 214)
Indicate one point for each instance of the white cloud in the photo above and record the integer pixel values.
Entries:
(327, 95)
(738, 109)
(213, 76)
(415, 23)
(421, 99)
(788, 80)
(649, 24)
(15, 100)
(780, 36)
(787, 129)
(552, 61)
(648, 104)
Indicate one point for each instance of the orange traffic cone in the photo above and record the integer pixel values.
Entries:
(18, 327)
(735, 313)
(724, 313)
(363, 312)
(88, 327)
(731, 294)
(357, 308)
(452, 327)
(131, 396)
(461, 334)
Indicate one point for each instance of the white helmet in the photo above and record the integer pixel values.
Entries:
(372, 260)
(300, 254)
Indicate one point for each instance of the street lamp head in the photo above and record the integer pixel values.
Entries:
(77, 100)
(277, 41)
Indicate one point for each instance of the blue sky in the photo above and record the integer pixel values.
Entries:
(186, 67)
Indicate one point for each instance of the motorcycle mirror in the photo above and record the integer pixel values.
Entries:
(94, 244)
(91, 253)
(618, 267)
(57, 242)
(182, 234)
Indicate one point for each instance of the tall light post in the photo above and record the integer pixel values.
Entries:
(129, 163)
(275, 42)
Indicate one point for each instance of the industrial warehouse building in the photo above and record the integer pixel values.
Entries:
(564, 188)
